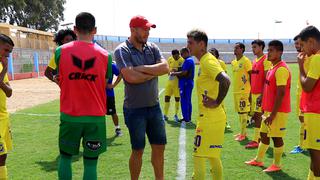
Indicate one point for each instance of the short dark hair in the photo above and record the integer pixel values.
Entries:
(277, 44)
(296, 37)
(242, 46)
(62, 34)
(198, 35)
(184, 49)
(310, 32)
(175, 51)
(259, 42)
(6, 39)
(85, 22)
(214, 52)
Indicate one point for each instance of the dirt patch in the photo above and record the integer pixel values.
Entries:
(31, 92)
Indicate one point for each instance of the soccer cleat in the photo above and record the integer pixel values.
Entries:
(165, 118)
(254, 162)
(228, 125)
(252, 145)
(176, 119)
(272, 168)
(297, 150)
(240, 138)
(236, 135)
(118, 132)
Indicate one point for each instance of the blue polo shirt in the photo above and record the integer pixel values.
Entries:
(116, 72)
(144, 94)
(188, 65)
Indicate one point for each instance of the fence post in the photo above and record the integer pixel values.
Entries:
(36, 63)
(10, 64)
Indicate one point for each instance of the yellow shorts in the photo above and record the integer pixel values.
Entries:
(241, 102)
(311, 131)
(298, 110)
(255, 107)
(278, 126)
(172, 88)
(209, 136)
(5, 136)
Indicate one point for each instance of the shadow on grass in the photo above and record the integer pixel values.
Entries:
(189, 125)
(50, 166)
(280, 175)
(111, 143)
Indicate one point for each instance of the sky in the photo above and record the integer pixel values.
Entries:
(220, 19)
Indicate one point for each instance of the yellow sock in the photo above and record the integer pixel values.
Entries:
(256, 136)
(166, 108)
(277, 154)
(3, 173)
(216, 168)
(199, 168)
(261, 151)
(243, 123)
(310, 175)
(177, 105)
(301, 134)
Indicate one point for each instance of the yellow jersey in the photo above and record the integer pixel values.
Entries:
(3, 97)
(223, 65)
(313, 69)
(241, 76)
(174, 65)
(306, 68)
(52, 63)
(206, 82)
(266, 64)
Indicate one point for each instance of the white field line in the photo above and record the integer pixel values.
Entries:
(161, 91)
(182, 162)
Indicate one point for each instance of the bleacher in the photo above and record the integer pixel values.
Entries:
(225, 46)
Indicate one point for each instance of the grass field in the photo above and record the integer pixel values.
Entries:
(35, 153)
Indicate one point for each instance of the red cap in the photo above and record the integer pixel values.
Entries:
(141, 22)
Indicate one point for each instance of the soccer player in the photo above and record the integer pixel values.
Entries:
(62, 37)
(186, 76)
(212, 87)
(223, 65)
(111, 103)
(260, 67)
(172, 88)
(6, 46)
(299, 149)
(241, 67)
(310, 98)
(82, 69)
(276, 107)
(140, 64)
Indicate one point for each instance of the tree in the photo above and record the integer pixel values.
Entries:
(37, 14)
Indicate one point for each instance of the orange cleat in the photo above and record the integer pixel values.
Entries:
(252, 145)
(272, 168)
(254, 162)
(240, 138)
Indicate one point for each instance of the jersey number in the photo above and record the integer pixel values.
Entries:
(197, 140)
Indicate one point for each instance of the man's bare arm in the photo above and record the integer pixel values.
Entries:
(224, 84)
(158, 69)
(6, 88)
(134, 77)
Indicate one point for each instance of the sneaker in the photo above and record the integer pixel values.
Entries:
(272, 168)
(176, 119)
(252, 145)
(236, 135)
(297, 150)
(165, 118)
(254, 162)
(228, 125)
(118, 132)
(240, 138)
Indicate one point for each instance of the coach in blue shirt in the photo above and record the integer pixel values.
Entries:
(186, 76)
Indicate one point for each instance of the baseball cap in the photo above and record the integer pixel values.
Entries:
(141, 22)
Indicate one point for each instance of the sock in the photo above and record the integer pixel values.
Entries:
(199, 170)
(3, 173)
(177, 105)
(90, 169)
(117, 127)
(301, 134)
(243, 123)
(216, 168)
(261, 151)
(256, 134)
(64, 169)
(310, 175)
(277, 154)
(166, 108)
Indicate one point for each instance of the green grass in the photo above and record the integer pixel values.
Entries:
(36, 153)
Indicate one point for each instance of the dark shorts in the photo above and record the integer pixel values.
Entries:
(111, 105)
(93, 137)
(141, 121)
